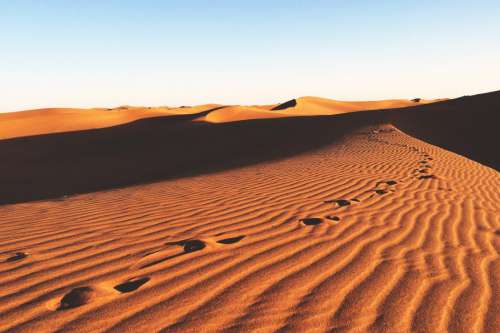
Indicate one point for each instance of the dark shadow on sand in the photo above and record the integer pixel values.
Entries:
(468, 126)
(55, 165)
(51, 166)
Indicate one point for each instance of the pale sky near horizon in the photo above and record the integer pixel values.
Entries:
(108, 53)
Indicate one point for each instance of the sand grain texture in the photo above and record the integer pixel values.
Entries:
(343, 234)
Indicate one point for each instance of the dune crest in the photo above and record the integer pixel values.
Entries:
(307, 106)
(300, 244)
(58, 120)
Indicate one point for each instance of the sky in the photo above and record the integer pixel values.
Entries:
(89, 53)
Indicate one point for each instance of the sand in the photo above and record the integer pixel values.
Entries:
(322, 223)
(59, 120)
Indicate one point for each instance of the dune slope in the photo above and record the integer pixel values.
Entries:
(310, 105)
(55, 165)
(200, 140)
(60, 120)
(375, 231)
(466, 125)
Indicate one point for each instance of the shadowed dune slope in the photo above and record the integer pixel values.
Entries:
(468, 125)
(151, 149)
(54, 165)
(372, 231)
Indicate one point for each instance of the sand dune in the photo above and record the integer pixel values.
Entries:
(304, 106)
(184, 144)
(298, 224)
(58, 120)
(322, 106)
(466, 125)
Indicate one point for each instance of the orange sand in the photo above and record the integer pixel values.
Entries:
(354, 226)
(57, 120)
(44, 121)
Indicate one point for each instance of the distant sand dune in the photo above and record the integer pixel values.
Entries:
(183, 144)
(322, 106)
(58, 120)
(323, 223)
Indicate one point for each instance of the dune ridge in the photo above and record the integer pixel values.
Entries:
(60, 120)
(407, 253)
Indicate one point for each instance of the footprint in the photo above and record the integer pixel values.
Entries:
(388, 182)
(190, 245)
(427, 177)
(163, 254)
(355, 200)
(16, 257)
(339, 202)
(380, 192)
(231, 240)
(312, 221)
(131, 285)
(333, 218)
(77, 297)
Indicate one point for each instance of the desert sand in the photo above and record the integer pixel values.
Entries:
(59, 120)
(305, 216)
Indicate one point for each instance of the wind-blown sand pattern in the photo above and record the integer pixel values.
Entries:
(370, 231)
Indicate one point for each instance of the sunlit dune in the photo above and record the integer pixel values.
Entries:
(56, 120)
(323, 106)
(304, 216)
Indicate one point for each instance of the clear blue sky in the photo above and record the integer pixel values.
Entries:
(146, 52)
